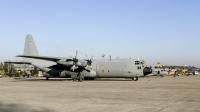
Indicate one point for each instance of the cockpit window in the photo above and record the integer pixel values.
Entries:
(137, 62)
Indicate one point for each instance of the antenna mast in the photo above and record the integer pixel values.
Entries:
(103, 55)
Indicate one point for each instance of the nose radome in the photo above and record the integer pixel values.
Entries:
(147, 71)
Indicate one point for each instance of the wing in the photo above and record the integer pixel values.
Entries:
(41, 57)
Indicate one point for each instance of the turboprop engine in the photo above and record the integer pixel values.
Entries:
(66, 73)
(65, 62)
(76, 63)
(69, 62)
(90, 74)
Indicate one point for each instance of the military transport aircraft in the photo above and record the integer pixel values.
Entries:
(158, 72)
(79, 69)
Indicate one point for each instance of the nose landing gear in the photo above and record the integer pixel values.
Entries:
(135, 78)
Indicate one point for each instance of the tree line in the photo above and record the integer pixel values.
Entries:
(8, 70)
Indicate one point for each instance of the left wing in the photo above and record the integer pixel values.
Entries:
(73, 62)
(47, 58)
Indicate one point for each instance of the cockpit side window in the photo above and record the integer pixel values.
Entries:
(137, 62)
(139, 67)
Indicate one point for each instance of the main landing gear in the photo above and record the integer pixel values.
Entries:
(80, 78)
(135, 78)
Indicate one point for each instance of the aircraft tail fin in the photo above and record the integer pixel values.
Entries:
(30, 48)
(159, 65)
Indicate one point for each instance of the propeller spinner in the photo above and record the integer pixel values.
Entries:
(75, 61)
(89, 61)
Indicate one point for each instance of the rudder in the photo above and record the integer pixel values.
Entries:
(30, 48)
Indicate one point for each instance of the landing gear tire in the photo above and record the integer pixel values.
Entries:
(47, 78)
(87, 78)
(135, 78)
(73, 80)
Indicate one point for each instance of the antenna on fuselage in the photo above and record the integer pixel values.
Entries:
(103, 55)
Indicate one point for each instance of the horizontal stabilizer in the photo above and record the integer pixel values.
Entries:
(21, 62)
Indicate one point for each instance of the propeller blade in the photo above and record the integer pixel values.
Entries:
(78, 74)
(86, 67)
(87, 70)
(86, 56)
(76, 53)
(73, 67)
(71, 57)
(79, 63)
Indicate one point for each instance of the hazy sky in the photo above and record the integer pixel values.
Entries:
(166, 31)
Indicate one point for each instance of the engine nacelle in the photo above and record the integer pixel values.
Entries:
(83, 63)
(65, 62)
(89, 74)
(67, 73)
(70, 63)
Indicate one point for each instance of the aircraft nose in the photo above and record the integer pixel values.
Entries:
(147, 71)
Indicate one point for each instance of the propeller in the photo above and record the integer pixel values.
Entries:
(144, 63)
(75, 61)
(89, 61)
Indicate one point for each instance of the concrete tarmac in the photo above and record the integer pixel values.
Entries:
(167, 94)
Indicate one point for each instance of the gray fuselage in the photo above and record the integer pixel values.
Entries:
(118, 68)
